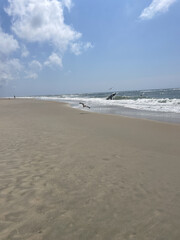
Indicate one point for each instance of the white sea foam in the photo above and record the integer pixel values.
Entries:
(157, 105)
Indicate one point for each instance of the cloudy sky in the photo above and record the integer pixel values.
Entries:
(76, 46)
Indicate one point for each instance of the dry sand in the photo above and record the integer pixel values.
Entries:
(69, 174)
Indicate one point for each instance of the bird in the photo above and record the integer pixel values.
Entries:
(84, 105)
(111, 96)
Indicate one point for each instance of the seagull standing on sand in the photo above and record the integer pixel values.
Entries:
(84, 105)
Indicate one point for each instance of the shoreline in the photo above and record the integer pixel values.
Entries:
(138, 115)
(119, 115)
(72, 174)
(167, 117)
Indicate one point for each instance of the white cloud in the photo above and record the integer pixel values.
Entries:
(36, 22)
(35, 65)
(87, 45)
(7, 43)
(42, 21)
(24, 51)
(15, 64)
(9, 70)
(157, 6)
(78, 48)
(31, 75)
(67, 3)
(54, 59)
(9, 67)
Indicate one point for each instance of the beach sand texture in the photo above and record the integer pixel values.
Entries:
(66, 174)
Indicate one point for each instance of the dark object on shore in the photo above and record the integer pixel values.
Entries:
(14, 97)
(84, 105)
(110, 97)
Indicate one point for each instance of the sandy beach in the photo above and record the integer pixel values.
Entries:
(67, 174)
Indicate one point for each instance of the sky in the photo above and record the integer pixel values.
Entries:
(82, 46)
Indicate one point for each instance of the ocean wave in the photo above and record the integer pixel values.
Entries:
(147, 104)
(159, 105)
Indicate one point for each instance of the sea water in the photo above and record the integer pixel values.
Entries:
(158, 104)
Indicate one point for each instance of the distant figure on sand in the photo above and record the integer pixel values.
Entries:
(84, 105)
(14, 96)
(110, 97)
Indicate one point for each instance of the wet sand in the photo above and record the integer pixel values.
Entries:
(71, 175)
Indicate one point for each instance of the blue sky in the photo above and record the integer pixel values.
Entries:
(68, 46)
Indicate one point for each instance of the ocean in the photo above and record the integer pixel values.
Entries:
(155, 104)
